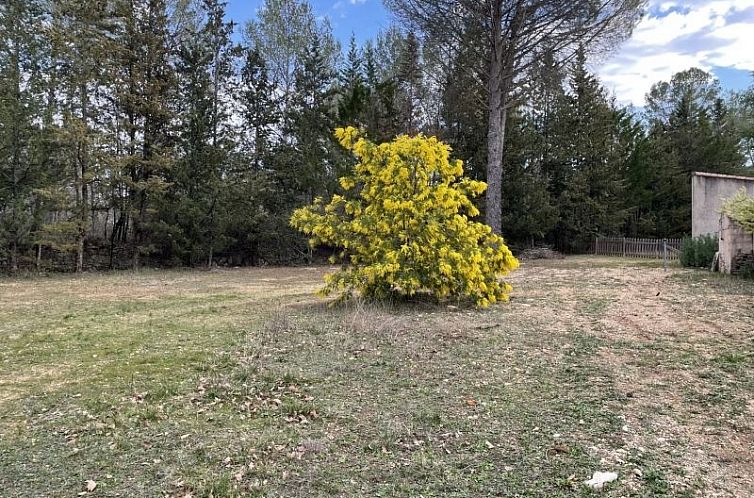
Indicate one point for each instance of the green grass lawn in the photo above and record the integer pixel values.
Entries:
(241, 383)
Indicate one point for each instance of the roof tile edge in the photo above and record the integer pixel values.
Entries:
(727, 177)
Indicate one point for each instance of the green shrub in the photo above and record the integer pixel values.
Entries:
(698, 252)
(741, 210)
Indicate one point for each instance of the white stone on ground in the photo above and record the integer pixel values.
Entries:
(599, 479)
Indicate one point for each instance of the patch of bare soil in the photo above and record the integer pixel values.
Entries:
(668, 338)
(14, 385)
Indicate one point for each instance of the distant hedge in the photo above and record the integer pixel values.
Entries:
(698, 252)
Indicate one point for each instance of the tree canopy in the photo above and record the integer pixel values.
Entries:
(144, 132)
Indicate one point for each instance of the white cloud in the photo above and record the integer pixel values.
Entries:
(341, 6)
(677, 35)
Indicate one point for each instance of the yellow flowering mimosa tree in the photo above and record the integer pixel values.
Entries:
(404, 225)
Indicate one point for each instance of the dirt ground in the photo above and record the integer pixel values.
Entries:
(680, 346)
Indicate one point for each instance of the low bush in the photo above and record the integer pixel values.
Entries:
(699, 252)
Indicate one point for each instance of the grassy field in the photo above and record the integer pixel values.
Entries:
(241, 383)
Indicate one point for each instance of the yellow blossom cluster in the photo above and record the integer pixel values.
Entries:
(404, 225)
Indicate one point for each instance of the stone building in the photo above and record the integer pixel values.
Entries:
(708, 193)
(736, 247)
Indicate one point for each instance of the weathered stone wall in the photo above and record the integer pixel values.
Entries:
(708, 192)
(743, 263)
(736, 246)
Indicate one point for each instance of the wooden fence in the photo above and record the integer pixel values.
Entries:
(636, 248)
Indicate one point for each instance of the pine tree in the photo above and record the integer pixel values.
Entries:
(282, 33)
(463, 110)
(534, 172)
(256, 206)
(591, 200)
(371, 75)
(638, 172)
(144, 95)
(409, 78)
(354, 92)
(21, 108)
(381, 116)
(546, 115)
(82, 35)
(205, 73)
(743, 118)
(259, 107)
(530, 213)
(311, 121)
(689, 130)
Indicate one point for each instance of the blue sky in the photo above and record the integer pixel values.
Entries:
(363, 18)
(714, 35)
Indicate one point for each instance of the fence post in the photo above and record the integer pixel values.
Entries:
(665, 254)
(624, 247)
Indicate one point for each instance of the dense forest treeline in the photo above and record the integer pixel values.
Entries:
(141, 132)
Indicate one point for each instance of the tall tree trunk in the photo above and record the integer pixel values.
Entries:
(14, 255)
(80, 255)
(84, 219)
(78, 188)
(501, 75)
(495, 145)
(117, 227)
(83, 157)
(77, 181)
(138, 223)
(496, 127)
(15, 156)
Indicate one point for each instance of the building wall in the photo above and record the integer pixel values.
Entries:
(708, 192)
(734, 243)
